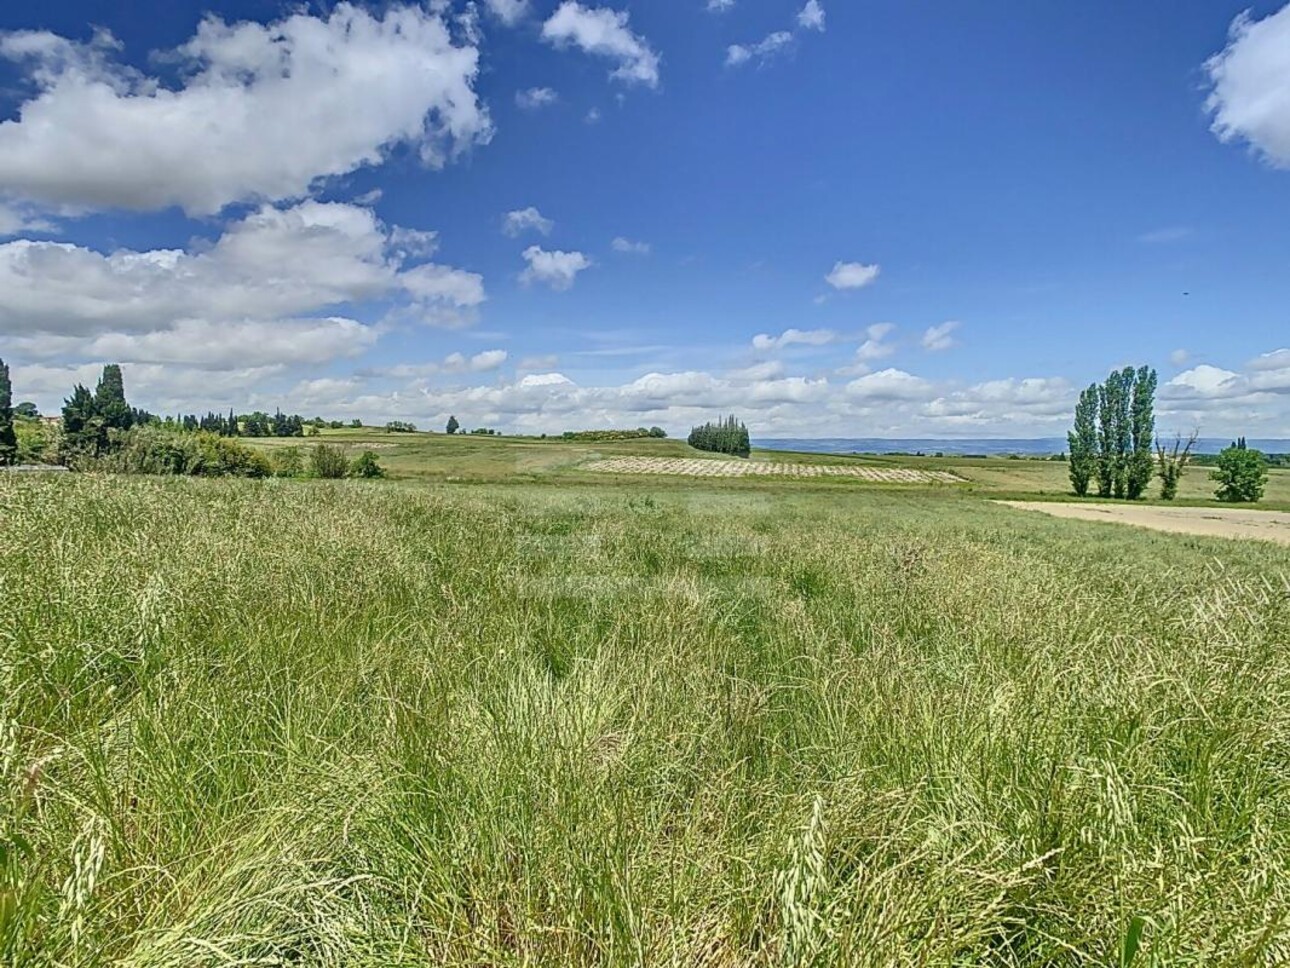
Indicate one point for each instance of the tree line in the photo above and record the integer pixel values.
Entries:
(1114, 445)
(725, 436)
(100, 430)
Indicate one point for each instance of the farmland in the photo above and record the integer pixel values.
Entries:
(552, 716)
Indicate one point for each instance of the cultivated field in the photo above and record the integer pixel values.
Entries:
(748, 723)
(1214, 522)
(691, 467)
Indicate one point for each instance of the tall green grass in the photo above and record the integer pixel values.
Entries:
(271, 723)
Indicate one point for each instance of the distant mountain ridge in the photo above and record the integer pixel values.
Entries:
(960, 446)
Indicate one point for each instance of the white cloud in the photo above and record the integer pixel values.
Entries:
(763, 50)
(430, 284)
(264, 111)
(536, 97)
(875, 346)
(605, 33)
(811, 16)
(719, 6)
(593, 116)
(1179, 357)
(628, 247)
(555, 269)
(1276, 360)
(889, 384)
(524, 219)
(221, 345)
(1016, 401)
(940, 337)
(509, 12)
(253, 297)
(792, 337)
(852, 275)
(1205, 381)
(1250, 86)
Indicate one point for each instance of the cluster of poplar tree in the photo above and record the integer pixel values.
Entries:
(726, 436)
(1112, 441)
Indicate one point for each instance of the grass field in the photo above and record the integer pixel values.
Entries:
(549, 722)
(511, 460)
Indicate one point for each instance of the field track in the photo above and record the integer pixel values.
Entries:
(1210, 522)
(698, 467)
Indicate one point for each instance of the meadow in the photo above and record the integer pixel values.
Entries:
(580, 720)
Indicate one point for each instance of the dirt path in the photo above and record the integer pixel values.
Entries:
(1211, 522)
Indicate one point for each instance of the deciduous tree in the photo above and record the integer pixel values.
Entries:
(1241, 473)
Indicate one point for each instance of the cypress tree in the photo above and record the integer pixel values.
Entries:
(109, 400)
(8, 438)
(82, 426)
(1083, 441)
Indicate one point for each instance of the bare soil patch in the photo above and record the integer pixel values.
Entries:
(699, 467)
(1210, 522)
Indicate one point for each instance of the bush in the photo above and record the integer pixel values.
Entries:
(288, 462)
(155, 450)
(366, 466)
(37, 442)
(602, 436)
(1240, 474)
(328, 462)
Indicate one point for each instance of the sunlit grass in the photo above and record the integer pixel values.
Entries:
(347, 724)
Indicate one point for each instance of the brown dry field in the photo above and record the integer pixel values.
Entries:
(700, 467)
(1209, 522)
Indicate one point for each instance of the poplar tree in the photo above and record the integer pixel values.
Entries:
(1083, 441)
(8, 438)
(1142, 431)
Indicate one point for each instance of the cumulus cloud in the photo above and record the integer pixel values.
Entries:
(889, 384)
(263, 111)
(509, 12)
(604, 33)
(1249, 79)
(874, 346)
(556, 269)
(255, 299)
(206, 345)
(794, 337)
(536, 97)
(1205, 381)
(763, 50)
(811, 16)
(522, 220)
(852, 275)
(941, 337)
(1025, 401)
(628, 247)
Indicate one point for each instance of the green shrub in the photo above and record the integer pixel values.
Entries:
(1240, 474)
(366, 466)
(328, 462)
(152, 449)
(289, 462)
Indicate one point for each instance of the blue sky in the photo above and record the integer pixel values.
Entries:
(868, 219)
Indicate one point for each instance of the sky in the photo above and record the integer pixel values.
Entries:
(871, 218)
